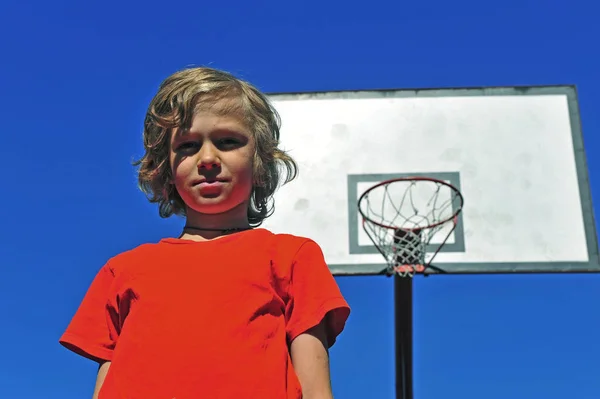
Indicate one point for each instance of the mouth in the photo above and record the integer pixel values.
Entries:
(209, 182)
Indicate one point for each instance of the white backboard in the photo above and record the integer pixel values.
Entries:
(516, 155)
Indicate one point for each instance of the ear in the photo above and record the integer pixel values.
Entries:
(256, 180)
(169, 178)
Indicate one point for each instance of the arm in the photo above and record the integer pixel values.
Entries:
(102, 371)
(310, 359)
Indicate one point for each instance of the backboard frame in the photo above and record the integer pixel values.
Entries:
(593, 263)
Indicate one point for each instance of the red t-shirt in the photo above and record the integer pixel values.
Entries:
(214, 319)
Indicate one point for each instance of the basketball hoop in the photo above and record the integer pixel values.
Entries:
(409, 219)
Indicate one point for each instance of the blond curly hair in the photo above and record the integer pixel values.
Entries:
(179, 97)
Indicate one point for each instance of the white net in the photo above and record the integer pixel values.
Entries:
(409, 220)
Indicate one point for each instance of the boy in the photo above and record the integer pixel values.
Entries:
(227, 309)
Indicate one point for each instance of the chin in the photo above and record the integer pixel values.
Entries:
(215, 206)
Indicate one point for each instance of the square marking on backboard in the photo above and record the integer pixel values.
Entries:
(358, 241)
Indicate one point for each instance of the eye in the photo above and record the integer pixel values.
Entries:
(228, 142)
(187, 146)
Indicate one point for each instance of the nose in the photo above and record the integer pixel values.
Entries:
(209, 157)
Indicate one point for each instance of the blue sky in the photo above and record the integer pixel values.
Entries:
(76, 78)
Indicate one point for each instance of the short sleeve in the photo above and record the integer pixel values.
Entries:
(92, 331)
(314, 295)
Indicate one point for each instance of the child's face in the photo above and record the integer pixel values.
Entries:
(212, 163)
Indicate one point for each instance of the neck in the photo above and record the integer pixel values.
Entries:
(202, 227)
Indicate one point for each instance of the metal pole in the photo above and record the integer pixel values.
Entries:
(403, 307)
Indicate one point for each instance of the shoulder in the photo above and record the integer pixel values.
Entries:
(293, 244)
(282, 242)
(134, 257)
(292, 249)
